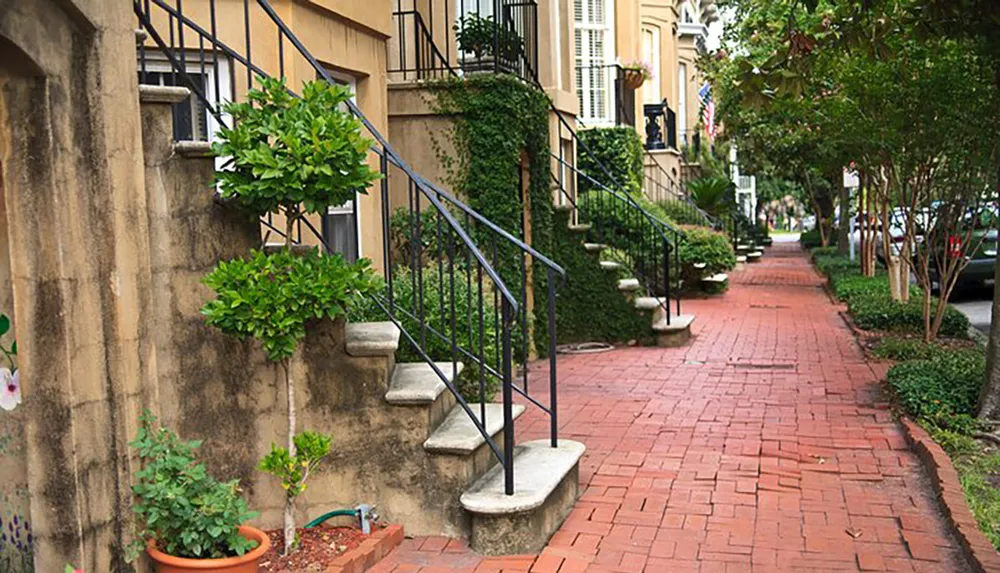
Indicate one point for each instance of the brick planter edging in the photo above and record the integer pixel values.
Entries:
(977, 548)
(371, 550)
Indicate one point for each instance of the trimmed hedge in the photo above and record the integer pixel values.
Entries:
(681, 212)
(869, 300)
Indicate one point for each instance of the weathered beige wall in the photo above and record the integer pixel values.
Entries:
(16, 550)
(79, 269)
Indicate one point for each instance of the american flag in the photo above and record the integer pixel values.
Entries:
(707, 110)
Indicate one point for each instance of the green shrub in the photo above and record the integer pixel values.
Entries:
(978, 475)
(437, 316)
(271, 297)
(619, 150)
(942, 390)
(181, 508)
(877, 311)
(682, 212)
(902, 349)
(703, 245)
(817, 252)
(810, 239)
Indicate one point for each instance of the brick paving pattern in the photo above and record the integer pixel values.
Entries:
(764, 445)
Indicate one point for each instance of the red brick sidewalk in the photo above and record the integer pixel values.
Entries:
(762, 446)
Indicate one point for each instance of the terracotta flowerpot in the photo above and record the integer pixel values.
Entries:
(246, 563)
(634, 79)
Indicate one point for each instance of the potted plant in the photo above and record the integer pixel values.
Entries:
(636, 73)
(485, 40)
(188, 520)
(291, 156)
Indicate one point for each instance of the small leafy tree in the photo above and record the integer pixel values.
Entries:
(291, 155)
(293, 469)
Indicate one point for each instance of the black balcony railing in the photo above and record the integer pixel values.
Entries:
(458, 284)
(495, 36)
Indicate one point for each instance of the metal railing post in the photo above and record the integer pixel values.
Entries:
(552, 358)
(508, 399)
(666, 275)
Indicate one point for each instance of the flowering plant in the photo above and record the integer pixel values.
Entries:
(10, 378)
(643, 67)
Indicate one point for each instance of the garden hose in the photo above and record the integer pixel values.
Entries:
(319, 520)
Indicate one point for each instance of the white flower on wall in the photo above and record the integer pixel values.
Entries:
(10, 393)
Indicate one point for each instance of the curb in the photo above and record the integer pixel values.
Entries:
(371, 550)
(978, 550)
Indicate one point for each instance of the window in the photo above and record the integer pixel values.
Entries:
(594, 49)
(341, 227)
(651, 53)
(192, 120)
(682, 90)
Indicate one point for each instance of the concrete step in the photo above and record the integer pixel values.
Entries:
(677, 333)
(416, 383)
(545, 488)
(754, 256)
(581, 228)
(611, 265)
(594, 247)
(649, 303)
(716, 278)
(458, 435)
(372, 338)
(193, 149)
(741, 258)
(162, 94)
(700, 266)
(628, 285)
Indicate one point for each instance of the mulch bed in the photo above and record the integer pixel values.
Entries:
(318, 548)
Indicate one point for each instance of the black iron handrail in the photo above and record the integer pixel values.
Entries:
(450, 246)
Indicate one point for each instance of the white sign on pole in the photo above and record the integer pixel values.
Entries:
(851, 180)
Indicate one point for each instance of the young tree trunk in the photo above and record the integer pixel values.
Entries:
(844, 231)
(289, 525)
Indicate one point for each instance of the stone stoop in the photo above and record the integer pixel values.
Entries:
(545, 488)
(404, 442)
(460, 456)
(715, 284)
(675, 334)
(754, 256)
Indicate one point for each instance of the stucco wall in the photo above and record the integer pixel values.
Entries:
(79, 271)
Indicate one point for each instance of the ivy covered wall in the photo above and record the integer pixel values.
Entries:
(589, 306)
(500, 136)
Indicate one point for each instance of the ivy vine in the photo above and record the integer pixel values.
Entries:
(498, 119)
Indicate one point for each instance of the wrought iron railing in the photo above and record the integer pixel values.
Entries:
(433, 245)
(414, 55)
(496, 36)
